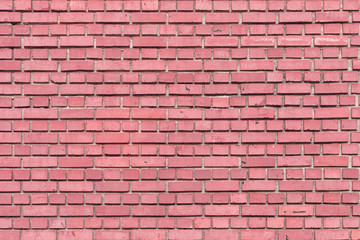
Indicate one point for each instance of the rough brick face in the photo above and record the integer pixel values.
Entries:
(179, 119)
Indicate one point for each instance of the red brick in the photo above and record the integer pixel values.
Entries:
(331, 64)
(248, 137)
(39, 65)
(258, 89)
(296, 210)
(295, 17)
(331, 40)
(325, 17)
(112, 65)
(257, 41)
(258, 17)
(221, 41)
(256, 65)
(6, 42)
(147, 234)
(41, 235)
(105, 17)
(294, 41)
(184, 42)
(332, 210)
(295, 113)
(295, 185)
(185, 65)
(258, 210)
(77, 41)
(257, 113)
(76, 234)
(77, 65)
(329, 113)
(331, 137)
(328, 161)
(110, 41)
(148, 65)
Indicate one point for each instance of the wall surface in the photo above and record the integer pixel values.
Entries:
(179, 119)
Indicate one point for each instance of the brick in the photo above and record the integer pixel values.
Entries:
(77, 162)
(76, 211)
(258, 17)
(186, 65)
(329, 161)
(38, 42)
(295, 210)
(76, 113)
(39, 17)
(77, 65)
(331, 137)
(42, 235)
(39, 65)
(258, 210)
(257, 113)
(256, 65)
(185, 138)
(187, 210)
(216, 186)
(185, 114)
(294, 65)
(257, 41)
(248, 137)
(105, 17)
(295, 17)
(224, 65)
(330, 185)
(104, 138)
(327, 64)
(140, 17)
(294, 161)
(148, 65)
(148, 113)
(184, 42)
(251, 162)
(295, 185)
(247, 77)
(148, 186)
(329, 113)
(75, 234)
(179, 17)
(325, 17)
(40, 113)
(10, 65)
(300, 41)
(288, 137)
(112, 65)
(221, 114)
(76, 41)
(39, 211)
(222, 210)
(184, 187)
(332, 210)
(331, 41)
(147, 234)
(10, 42)
(220, 41)
(112, 113)
(110, 41)
(221, 18)
(185, 234)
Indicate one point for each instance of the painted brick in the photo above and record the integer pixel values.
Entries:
(187, 119)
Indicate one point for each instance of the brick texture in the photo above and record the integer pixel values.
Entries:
(174, 119)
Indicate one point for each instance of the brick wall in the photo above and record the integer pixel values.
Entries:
(179, 119)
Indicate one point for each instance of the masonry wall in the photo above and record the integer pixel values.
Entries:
(179, 119)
